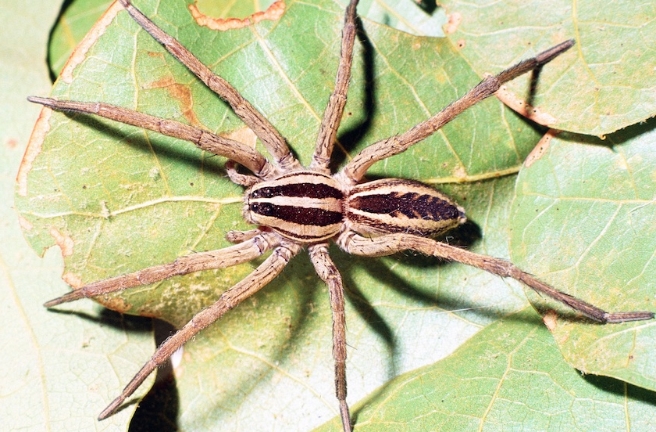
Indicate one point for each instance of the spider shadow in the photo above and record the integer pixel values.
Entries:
(187, 155)
(428, 6)
(621, 389)
(464, 236)
(160, 407)
(611, 140)
(115, 320)
(163, 395)
(161, 403)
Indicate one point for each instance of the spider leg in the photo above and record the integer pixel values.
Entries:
(358, 166)
(260, 277)
(239, 178)
(205, 140)
(271, 138)
(329, 273)
(392, 243)
(335, 108)
(227, 257)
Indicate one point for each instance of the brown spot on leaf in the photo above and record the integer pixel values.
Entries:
(64, 242)
(12, 143)
(182, 94)
(25, 224)
(461, 44)
(521, 107)
(153, 54)
(244, 135)
(272, 13)
(541, 147)
(115, 303)
(550, 319)
(80, 52)
(452, 24)
(74, 280)
(33, 149)
(460, 172)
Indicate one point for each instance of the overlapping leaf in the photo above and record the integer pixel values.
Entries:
(609, 83)
(508, 376)
(583, 218)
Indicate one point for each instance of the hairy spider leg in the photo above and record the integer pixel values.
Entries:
(205, 140)
(358, 166)
(256, 280)
(392, 243)
(332, 115)
(246, 250)
(274, 142)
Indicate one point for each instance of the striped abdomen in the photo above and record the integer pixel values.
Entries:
(400, 206)
(310, 207)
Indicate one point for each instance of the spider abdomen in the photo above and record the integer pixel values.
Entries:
(400, 206)
(306, 206)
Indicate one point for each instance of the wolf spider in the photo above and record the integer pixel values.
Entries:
(296, 207)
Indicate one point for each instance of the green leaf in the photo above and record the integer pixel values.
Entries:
(509, 376)
(609, 83)
(70, 28)
(583, 218)
(125, 199)
(56, 368)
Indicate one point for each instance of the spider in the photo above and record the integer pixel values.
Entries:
(296, 207)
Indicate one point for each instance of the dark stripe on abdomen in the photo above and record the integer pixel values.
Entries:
(301, 190)
(411, 205)
(300, 215)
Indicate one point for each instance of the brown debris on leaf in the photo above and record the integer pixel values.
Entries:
(182, 94)
(541, 147)
(520, 106)
(272, 13)
(454, 21)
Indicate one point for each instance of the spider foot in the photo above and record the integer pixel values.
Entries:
(346, 416)
(620, 317)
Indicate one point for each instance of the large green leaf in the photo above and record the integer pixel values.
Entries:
(609, 83)
(509, 376)
(125, 199)
(583, 218)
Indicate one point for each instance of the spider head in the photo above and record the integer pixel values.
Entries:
(304, 206)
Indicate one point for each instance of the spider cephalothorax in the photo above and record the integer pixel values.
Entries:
(296, 207)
